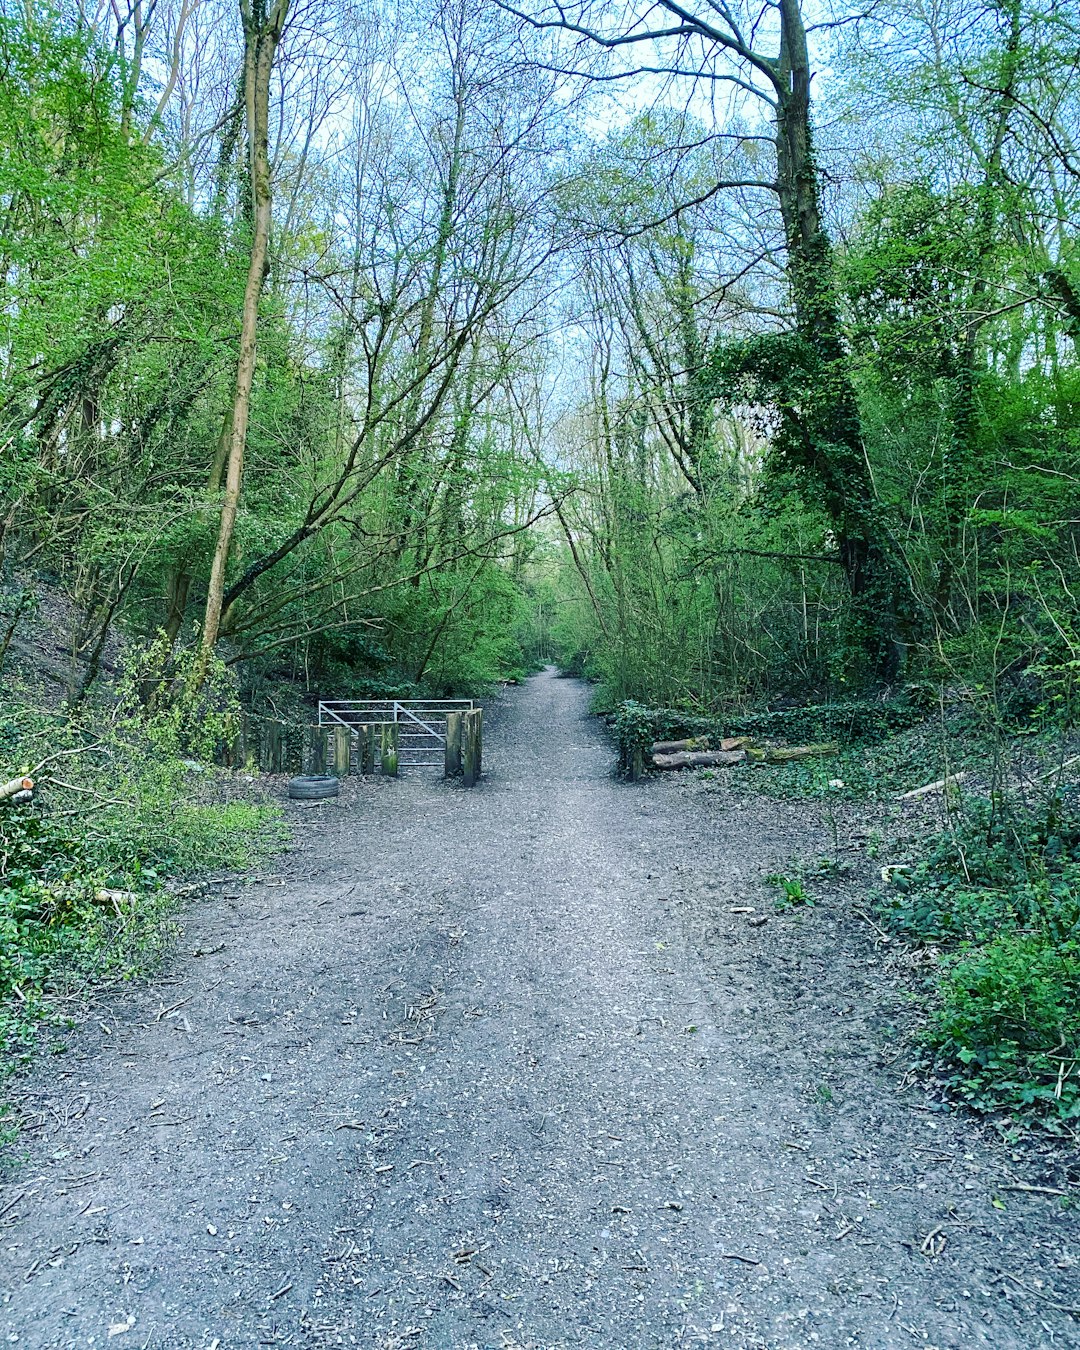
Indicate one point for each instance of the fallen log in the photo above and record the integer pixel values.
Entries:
(699, 743)
(673, 747)
(945, 782)
(699, 759)
(118, 899)
(776, 755)
(14, 786)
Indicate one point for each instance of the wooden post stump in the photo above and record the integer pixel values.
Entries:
(365, 749)
(273, 747)
(453, 745)
(313, 752)
(342, 751)
(234, 752)
(390, 738)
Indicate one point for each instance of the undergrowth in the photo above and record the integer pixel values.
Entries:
(884, 746)
(121, 809)
(998, 893)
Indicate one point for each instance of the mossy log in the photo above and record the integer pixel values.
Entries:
(673, 747)
(782, 755)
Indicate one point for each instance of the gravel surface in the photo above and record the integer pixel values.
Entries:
(509, 1068)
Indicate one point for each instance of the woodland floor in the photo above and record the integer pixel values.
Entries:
(504, 1068)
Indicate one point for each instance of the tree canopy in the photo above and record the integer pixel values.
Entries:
(720, 352)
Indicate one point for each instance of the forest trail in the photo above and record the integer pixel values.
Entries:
(501, 1068)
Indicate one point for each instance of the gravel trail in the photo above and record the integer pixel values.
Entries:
(503, 1068)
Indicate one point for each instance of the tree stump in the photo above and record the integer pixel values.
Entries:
(313, 751)
(273, 747)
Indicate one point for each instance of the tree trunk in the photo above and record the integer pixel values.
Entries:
(831, 446)
(262, 33)
(960, 469)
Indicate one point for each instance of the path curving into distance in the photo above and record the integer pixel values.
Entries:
(502, 1068)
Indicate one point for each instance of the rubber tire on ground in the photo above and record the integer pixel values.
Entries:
(313, 787)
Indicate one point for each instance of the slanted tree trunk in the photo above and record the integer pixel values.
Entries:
(263, 21)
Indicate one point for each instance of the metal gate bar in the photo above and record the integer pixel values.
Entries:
(421, 723)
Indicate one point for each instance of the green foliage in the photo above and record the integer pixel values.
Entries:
(122, 285)
(1000, 891)
(177, 715)
(637, 727)
(83, 868)
(1007, 1033)
(793, 892)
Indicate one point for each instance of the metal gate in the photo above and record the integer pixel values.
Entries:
(421, 724)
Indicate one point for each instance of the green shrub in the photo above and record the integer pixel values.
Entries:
(1017, 868)
(83, 867)
(1000, 892)
(1007, 1033)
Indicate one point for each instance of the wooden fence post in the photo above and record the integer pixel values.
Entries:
(470, 766)
(479, 741)
(453, 745)
(365, 749)
(637, 763)
(390, 738)
(272, 747)
(313, 752)
(342, 751)
(234, 752)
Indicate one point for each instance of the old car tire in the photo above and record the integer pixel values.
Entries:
(313, 787)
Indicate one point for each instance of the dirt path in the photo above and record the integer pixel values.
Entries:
(502, 1069)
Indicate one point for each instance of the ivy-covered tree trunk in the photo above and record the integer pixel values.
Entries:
(960, 466)
(827, 443)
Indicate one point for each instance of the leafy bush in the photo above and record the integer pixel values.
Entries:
(83, 867)
(1017, 868)
(179, 716)
(637, 727)
(1007, 1033)
(1000, 891)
